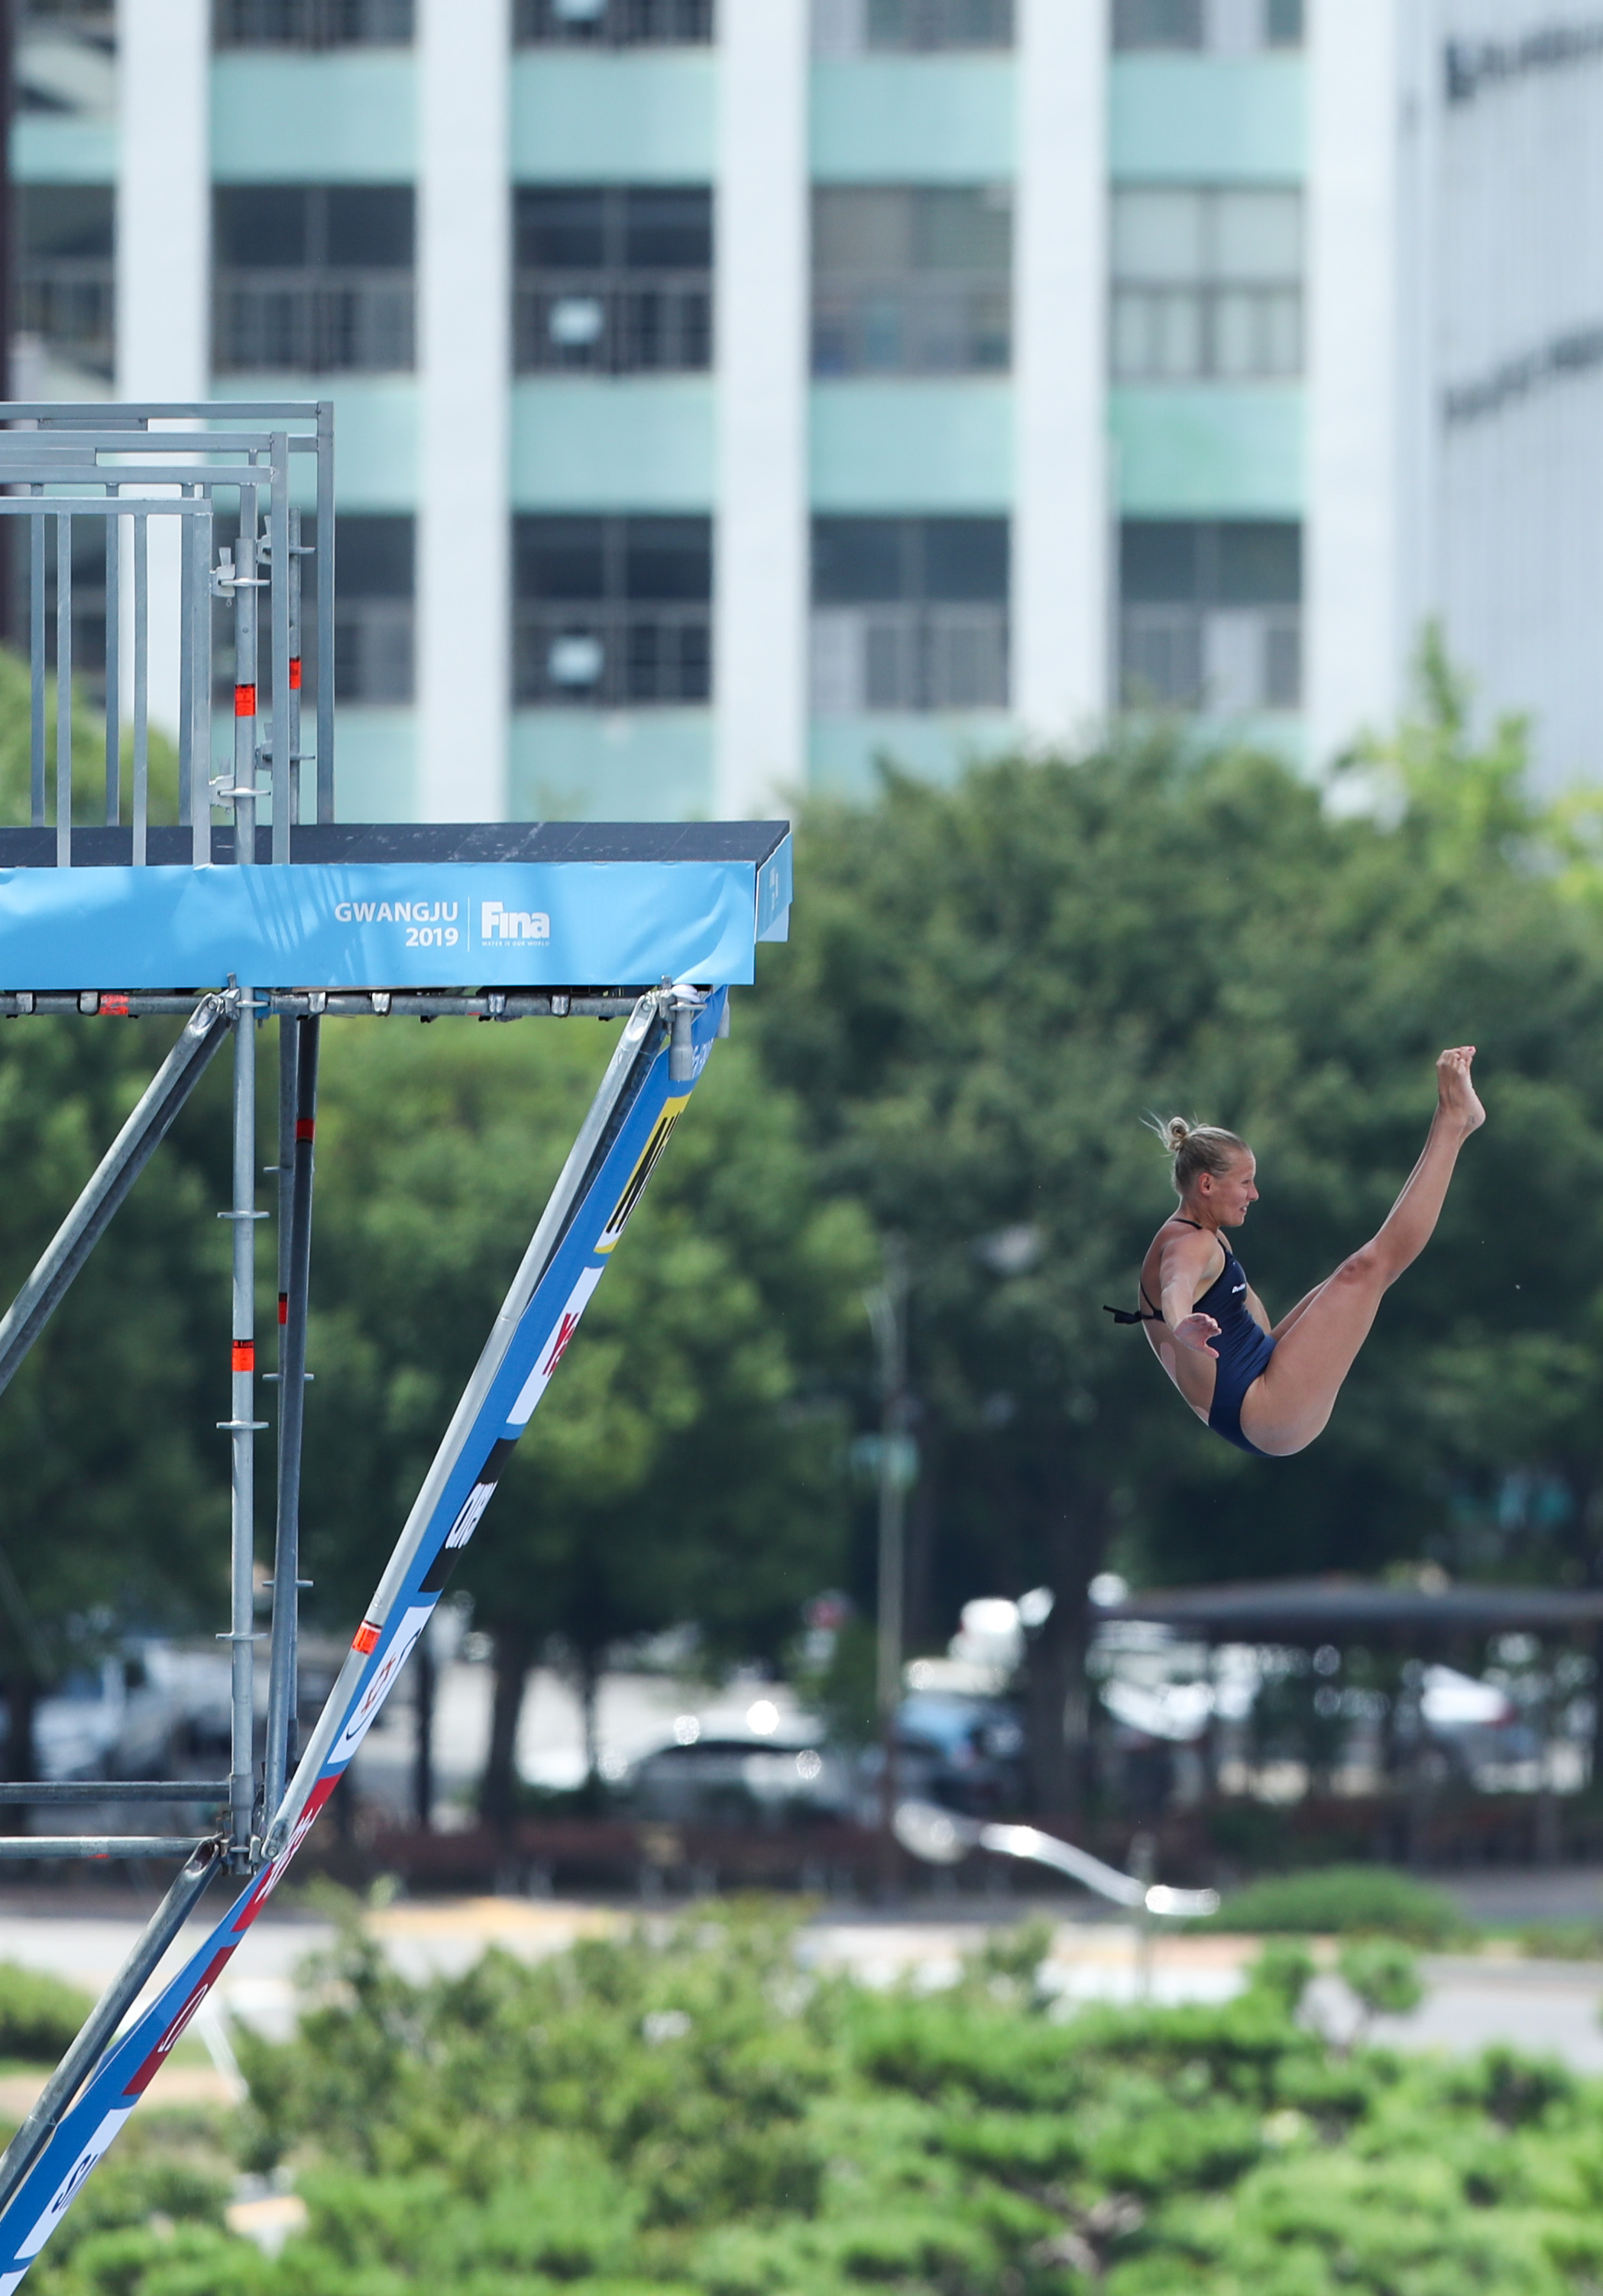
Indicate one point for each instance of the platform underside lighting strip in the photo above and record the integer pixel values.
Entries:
(664, 1045)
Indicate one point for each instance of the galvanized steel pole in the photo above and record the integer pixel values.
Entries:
(243, 1427)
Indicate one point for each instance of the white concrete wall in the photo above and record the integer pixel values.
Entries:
(1062, 513)
(464, 356)
(1357, 639)
(1517, 271)
(761, 543)
(164, 200)
(163, 267)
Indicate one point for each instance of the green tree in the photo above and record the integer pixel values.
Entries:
(113, 1486)
(686, 1466)
(989, 988)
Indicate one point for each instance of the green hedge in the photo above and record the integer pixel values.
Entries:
(38, 2015)
(694, 2114)
(1344, 1901)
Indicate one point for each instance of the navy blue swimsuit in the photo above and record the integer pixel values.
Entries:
(1242, 1347)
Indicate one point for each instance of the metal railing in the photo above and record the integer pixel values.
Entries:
(98, 17)
(215, 470)
(909, 324)
(1224, 658)
(611, 656)
(1182, 333)
(1224, 25)
(323, 322)
(909, 657)
(313, 24)
(374, 642)
(70, 303)
(614, 23)
(605, 323)
(926, 24)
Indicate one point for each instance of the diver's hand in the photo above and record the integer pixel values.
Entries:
(1195, 1331)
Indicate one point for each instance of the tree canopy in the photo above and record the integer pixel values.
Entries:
(990, 987)
(687, 1467)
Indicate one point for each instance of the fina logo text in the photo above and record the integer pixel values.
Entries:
(497, 924)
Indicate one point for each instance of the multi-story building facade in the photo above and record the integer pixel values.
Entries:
(732, 392)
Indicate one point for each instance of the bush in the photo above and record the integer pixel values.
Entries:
(1344, 1901)
(39, 2016)
(1383, 1975)
(685, 2112)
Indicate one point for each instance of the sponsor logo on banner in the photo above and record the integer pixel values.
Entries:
(366, 1714)
(159, 2055)
(634, 1186)
(554, 1348)
(66, 2192)
(498, 924)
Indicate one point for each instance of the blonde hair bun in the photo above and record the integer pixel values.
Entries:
(1196, 1148)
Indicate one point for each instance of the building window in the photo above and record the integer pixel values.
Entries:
(615, 612)
(908, 613)
(1212, 615)
(1218, 26)
(374, 615)
(312, 23)
(912, 280)
(613, 281)
(66, 274)
(850, 28)
(314, 279)
(1206, 283)
(614, 23)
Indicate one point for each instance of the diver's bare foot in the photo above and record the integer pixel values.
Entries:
(1456, 1094)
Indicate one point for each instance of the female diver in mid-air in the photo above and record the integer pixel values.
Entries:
(1271, 1389)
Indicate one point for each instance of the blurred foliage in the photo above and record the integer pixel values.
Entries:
(1342, 1901)
(1383, 1975)
(113, 1484)
(987, 989)
(690, 1465)
(39, 2015)
(88, 746)
(690, 2110)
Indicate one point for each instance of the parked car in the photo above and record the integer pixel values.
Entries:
(963, 1750)
(739, 1780)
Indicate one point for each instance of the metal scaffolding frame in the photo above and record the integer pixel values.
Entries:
(236, 470)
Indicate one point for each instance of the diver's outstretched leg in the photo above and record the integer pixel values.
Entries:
(1290, 1404)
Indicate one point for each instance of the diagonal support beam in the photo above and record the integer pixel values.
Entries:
(56, 2097)
(465, 1465)
(622, 1138)
(206, 1028)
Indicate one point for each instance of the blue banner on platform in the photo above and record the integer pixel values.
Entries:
(375, 925)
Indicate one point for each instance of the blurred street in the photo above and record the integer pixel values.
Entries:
(1538, 2006)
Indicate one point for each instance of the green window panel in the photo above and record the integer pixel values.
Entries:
(908, 446)
(614, 116)
(1179, 119)
(646, 443)
(931, 119)
(346, 117)
(1206, 450)
(588, 765)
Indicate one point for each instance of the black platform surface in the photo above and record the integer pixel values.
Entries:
(407, 844)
